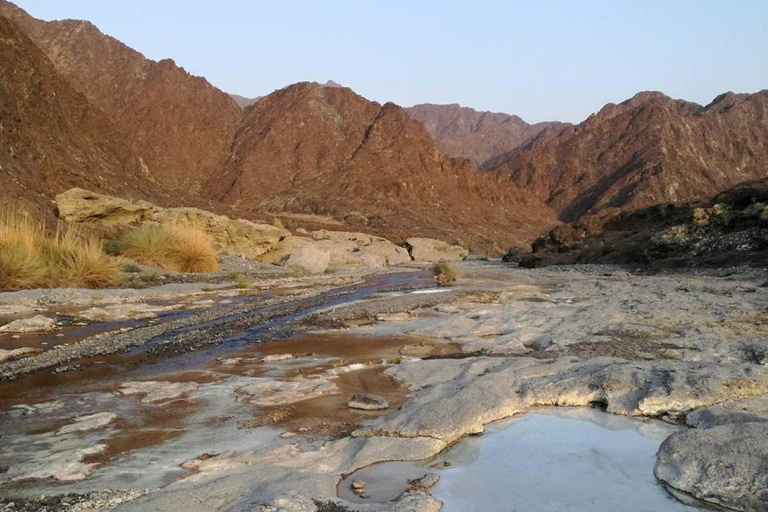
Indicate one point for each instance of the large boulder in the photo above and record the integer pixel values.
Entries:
(336, 249)
(430, 250)
(78, 205)
(725, 466)
(360, 249)
(237, 237)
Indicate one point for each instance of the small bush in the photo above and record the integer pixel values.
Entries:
(179, 248)
(31, 259)
(446, 272)
(242, 281)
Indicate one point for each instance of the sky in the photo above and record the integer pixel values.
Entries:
(542, 60)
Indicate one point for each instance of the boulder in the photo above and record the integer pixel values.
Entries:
(725, 466)
(336, 249)
(37, 323)
(429, 250)
(309, 257)
(236, 237)
(513, 255)
(78, 205)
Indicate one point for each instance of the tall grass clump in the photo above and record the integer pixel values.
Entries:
(30, 258)
(446, 272)
(179, 248)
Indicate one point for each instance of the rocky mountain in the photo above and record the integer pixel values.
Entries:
(483, 137)
(315, 149)
(179, 124)
(649, 150)
(728, 229)
(51, 137)
(243, 102)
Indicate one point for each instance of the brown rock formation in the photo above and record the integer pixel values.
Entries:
(179, 124)
(324, 150)
(483, 137)
(51, 138)
(649, 150)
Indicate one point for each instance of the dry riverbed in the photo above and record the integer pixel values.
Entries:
(217, 399)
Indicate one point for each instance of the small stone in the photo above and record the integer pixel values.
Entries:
(425, 482)
(368, 402)
(358, 485)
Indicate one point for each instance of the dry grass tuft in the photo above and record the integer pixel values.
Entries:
(446, 272)
(179, 248)
(31, 259)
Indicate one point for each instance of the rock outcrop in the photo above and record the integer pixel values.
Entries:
(231, 236)
(648, 150)
(333, 249)
(482, 137)
(429, 250)
(728, 229)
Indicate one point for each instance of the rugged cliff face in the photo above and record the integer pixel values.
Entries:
(648, 150)
(482, 137)
(51, 138)
(179, 124)
(326, 150)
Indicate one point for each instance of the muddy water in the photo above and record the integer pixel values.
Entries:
(145, 443)
(579, 460)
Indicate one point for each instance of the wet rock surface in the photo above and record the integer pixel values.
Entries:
(685, 348)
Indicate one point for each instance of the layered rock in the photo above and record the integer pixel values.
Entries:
(482, 137)
(649, 150)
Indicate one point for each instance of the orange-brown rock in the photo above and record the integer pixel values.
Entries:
(309, 148)
(51, 138)
(179, 124)
(649, 150)
(482, 137)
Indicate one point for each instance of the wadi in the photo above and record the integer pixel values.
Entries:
(308, 301)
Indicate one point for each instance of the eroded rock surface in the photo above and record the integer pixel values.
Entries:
(725, 465)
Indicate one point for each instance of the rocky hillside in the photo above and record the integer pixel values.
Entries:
(483, 137)
(179, 124)
(51, 138)
(728, 229)
(649, 150)
(315, 149)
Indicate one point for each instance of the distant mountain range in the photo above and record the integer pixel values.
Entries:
(483, 137)
(82, 109)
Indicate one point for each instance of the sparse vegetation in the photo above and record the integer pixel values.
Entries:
(29, 258)
(242, 281)
(446, 272)
(179, 248)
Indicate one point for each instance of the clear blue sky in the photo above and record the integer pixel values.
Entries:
(542, 60)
